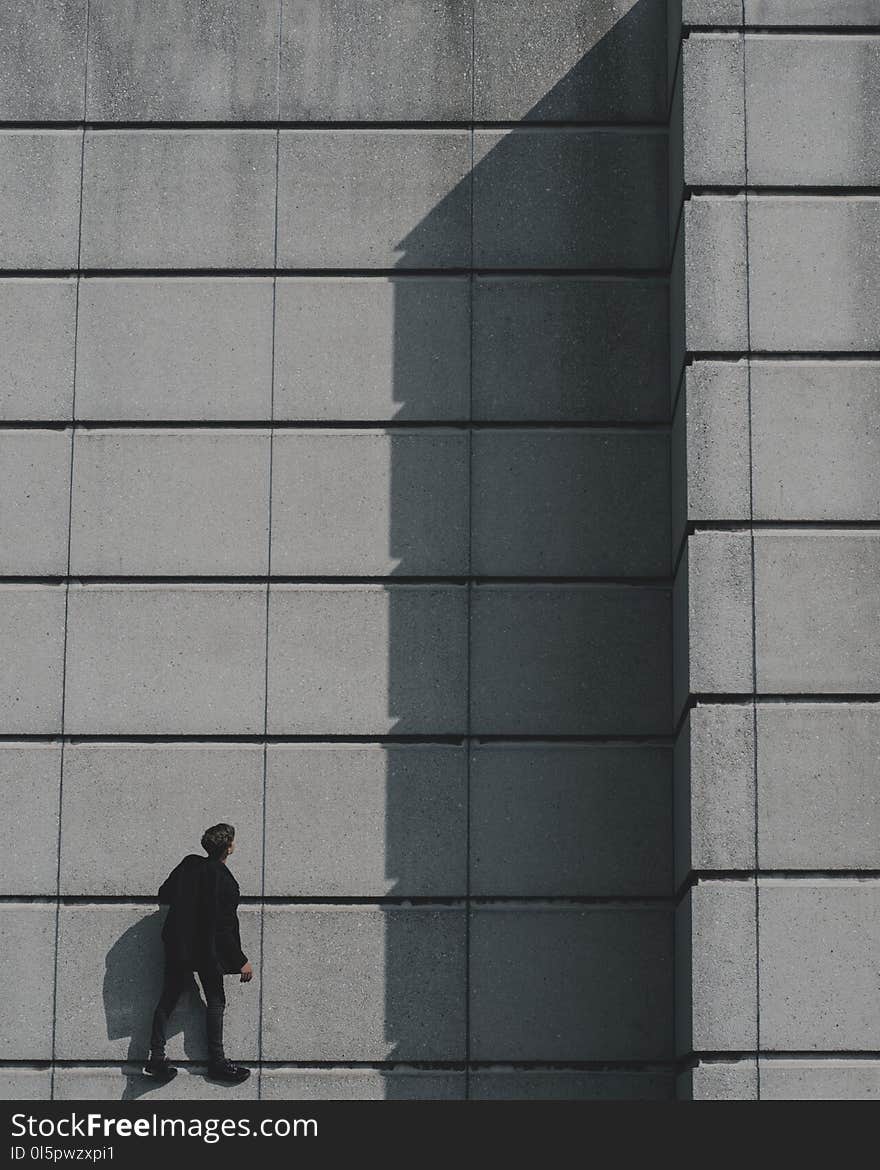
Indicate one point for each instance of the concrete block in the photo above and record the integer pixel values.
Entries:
(30, 782)
(714, 124)
(178, 199)
(711, 12)
(570, 659)
(570, 982)
(820, 949)
(542, 1084)
(391, 62)
(802, 1079)
(369, 503)
(361, 820)
(570, 60)
(710, 446)
(27, 966)
(569, 198)
(108, 989)
(818, 803)
(816, 427)
(374, 198)
(39, 200)
(811, 108)
(715, 968)
(43, 60)
(814, 273)
(713, 616)
(362, 1084)
(34, 502)
(569, 349)
(372, 347)
(37, 325)
(715, 790)
(32, 650)
(716, 1080)
(160, 60)
(153, 502)
(369, 983)
(816, 601)
(127, 1082)
(178, 789)
(570, 503)
(582, 820)
(367, 659)
(180, 348)
(19, 1083)
(166, 659)
(810, 12)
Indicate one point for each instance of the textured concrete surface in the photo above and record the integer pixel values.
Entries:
(370, 503)
(711, 12)
(19, 1083)
(127, 1082)
(826, 1080)
(362, 1084)
(39, 199)
(34, 502)
(487, 1084)
(734, 1080)
(570, 659)
(37, 326)
(574, 819)
(808, 12)
(714, 122)
(366, 820)
(32, 650)
(369, 983)
(154, 502)
(27, 945)
(42, 60)
(178, 199)
(174, 348)
(395, 61)
(595, 980)
(30, 783)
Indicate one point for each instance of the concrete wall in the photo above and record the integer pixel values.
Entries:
(334, 379)
(776, 546)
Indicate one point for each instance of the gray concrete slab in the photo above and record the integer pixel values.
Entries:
(570, 660)
(165, 659)
(127, 1082)
(18, 1083)
(178, 789)
(397, 61)
(817, 595)
(717, 1080)
(570, 60)
(826, 1079)
(160, 61)
(37, 325)
(368, 348)
(570, 503)
(34, 502)
(581, 820)
(569, 198)
(42, 60)
(170, 502)
(820, 948)
(560, 983)
(374, 198)
(27, 967)
(714, 124)
(810, 12)
(361, 820)
(32, 650)
(814, 266)
(369, 983)
(712, 247)
(500, 1084)
(569, 349)
(367, 659)
(30, 784)
(362, 1084)
(176, 348)
(39, 200)
(107, 990)
(711, 12)
(178, 199)
(369, 503)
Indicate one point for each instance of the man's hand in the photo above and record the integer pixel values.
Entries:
(247, 973)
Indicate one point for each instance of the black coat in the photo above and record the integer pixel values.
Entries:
(201, 927)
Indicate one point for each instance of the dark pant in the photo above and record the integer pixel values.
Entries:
(177, 975)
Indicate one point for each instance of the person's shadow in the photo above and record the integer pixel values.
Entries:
(132, 985)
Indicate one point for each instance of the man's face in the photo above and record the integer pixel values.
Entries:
(231, 847)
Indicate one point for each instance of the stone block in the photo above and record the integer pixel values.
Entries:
(362, 1084)
(34, 502)
(714, 125)
(811, 12)
(27, 968)
(802, 1079)
(544, 1084)
(127, 1082)
(37, 326)
(19, 1083)
(43, 60)
(30, 783)
(39, 200)
(32, 651)
(716, 1080)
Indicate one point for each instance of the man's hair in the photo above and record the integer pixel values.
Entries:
(217, 839)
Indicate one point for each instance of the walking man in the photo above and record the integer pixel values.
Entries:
(200, 933)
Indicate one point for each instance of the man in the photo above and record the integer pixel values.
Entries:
(200, 933)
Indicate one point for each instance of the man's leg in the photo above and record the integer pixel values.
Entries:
(215, 1000)
(173, 984)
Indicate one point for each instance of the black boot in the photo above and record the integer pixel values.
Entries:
(160, 1070)
(227, 1072)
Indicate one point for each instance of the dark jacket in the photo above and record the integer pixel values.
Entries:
(201, 927)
